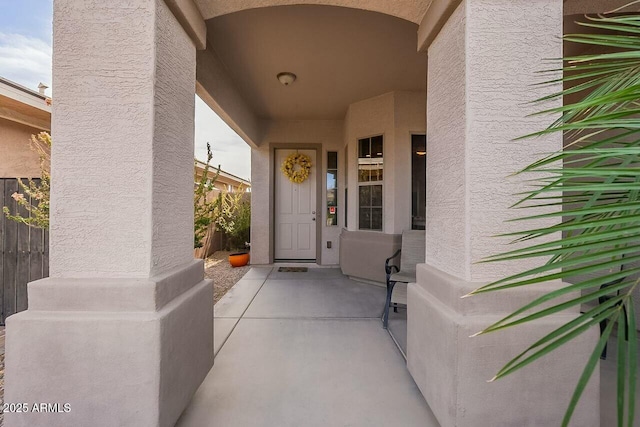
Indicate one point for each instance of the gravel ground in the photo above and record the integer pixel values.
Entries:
(224, 276)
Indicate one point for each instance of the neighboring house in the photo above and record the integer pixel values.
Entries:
(368, 89)
(23, 112)
(225, 181)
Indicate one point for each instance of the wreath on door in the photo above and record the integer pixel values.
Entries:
(296, 167)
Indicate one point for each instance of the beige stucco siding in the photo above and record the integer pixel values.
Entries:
(370, 117)
(17, 160)
(150, 81)
(446, 106)
(395, 115)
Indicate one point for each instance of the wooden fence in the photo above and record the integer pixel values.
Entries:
(25, 254)
(213, 241)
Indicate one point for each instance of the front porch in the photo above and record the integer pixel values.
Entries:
(308, 349)
(134, 310)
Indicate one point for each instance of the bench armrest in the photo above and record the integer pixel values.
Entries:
(389, 268)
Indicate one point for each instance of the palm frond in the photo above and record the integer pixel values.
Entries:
(590, 191)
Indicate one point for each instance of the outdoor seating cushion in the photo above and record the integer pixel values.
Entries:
(401, 278)
(399, 295)
(412, 254)
(413, 251)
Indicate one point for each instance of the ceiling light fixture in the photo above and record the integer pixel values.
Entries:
(421, 153)
(286, 78)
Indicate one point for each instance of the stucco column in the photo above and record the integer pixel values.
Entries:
(481, 68)
(122, 331)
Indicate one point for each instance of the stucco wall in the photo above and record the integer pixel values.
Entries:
(498, 112)
(17, 160)
(141, 181)
(480, 79)
(478, 111)
(446, 106)
(261, 206)
(329, 133)
(173, 150)
(133, 305)
(370, 117)
(218, 90)
(395, 115)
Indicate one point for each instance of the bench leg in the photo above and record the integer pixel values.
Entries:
(385, 315)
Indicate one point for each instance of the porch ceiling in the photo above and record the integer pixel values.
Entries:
(411, 10)
(339, 55)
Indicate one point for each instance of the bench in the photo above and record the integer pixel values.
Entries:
(412, 253)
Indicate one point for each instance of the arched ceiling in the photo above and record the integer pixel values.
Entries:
(411, 10)
(340, 56)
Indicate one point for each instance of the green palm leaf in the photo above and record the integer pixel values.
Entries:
(591, 193)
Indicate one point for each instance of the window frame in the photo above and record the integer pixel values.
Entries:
(335, 189)
(413, 226)
(369, 183)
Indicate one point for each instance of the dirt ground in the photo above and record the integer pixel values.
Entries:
(224, 276)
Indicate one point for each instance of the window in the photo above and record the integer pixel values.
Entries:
(370, 177)
(418, 181)
(332, 188)
(346, 192)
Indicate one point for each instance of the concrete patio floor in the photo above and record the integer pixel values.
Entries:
(608, 367)
(305, 349)
(308, 349)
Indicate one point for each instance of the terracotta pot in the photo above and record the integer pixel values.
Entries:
(239, 259)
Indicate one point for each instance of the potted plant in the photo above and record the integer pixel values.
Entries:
(239, 259)
(239, 236)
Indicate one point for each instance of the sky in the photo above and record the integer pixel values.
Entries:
(25, 58)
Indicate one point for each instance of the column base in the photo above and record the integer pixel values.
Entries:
(452, 369)
(110, 352)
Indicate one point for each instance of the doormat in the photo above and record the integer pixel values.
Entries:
(293, 269)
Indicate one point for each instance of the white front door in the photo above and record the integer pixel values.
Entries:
(295, 211)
